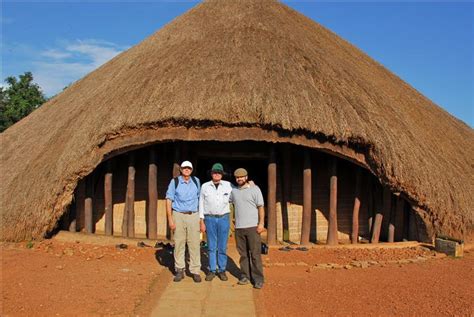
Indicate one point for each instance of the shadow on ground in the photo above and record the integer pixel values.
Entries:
(165, 258)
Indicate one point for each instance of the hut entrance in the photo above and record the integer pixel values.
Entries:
(310, 196)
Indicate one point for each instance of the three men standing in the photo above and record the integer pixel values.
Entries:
(191, 209)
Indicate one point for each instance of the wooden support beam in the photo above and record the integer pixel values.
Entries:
(175, 173)
(387, 206)
(399, 206)
(152, 223)
(88, 205)
(412, 227)
(108, 201)
(356, 208)
(306, 221)
(377, 223)
(79, 197)
(286, 183)
(176, 160)
(376, 229)
(332, 238)
(391, 222)
(130, 206)
(73, 218)
(370, 203)
(271, 206)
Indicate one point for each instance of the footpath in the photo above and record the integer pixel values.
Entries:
(215, 298)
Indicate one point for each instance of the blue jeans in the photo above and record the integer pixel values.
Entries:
(217, 229)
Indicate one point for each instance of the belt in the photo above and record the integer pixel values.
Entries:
(216, 216)
(186, 212)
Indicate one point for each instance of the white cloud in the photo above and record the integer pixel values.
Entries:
(60, 66)
(55, 54)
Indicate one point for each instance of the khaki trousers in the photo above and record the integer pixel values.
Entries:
(187, 232)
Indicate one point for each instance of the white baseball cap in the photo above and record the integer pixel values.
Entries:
(187, 164)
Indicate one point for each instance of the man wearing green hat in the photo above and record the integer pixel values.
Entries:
(214, 212)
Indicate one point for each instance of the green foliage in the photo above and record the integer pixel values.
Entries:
(29, 244)
(19, 99)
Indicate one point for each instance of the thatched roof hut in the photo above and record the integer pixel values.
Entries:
(240, 70)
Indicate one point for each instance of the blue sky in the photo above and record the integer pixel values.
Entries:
(430, 45)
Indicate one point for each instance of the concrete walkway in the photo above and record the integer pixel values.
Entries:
(215, 298)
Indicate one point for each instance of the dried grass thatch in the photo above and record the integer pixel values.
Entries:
(240, 64)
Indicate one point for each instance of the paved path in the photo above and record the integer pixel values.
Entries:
(215, 298)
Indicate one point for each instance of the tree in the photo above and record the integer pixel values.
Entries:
(19, 99)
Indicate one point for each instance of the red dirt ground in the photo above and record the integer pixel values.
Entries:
(68, 278)
(55, 278)
(437, 287)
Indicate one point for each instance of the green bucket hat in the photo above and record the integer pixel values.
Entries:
(217, 168)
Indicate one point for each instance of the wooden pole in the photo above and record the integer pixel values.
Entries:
(391, 222)
(387, 206)
(355, 210)
(271, 208)
(332, 238)
(412, 227)
(175, 173)
(88, 205)
(108, 202)
(73, 217)
(377, 227)
(399, 219)
(177, 157)
(152, 231)
(80, 196)
(306, 221)
(286, 184)
(131, 196)
(370, 203)
(378, 215)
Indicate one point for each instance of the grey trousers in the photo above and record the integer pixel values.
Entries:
(249, 245)
(187, 232)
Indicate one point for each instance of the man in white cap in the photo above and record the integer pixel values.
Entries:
(182, 199)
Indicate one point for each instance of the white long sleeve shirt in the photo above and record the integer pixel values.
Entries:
(214, 201)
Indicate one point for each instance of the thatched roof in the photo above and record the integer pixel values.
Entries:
(239, 64)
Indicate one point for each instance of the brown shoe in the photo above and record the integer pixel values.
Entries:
(210, 276)
(179, 275)
(197, 278)
(222, 276)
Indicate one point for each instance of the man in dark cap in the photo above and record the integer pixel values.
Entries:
(249, 221)
(214, 213)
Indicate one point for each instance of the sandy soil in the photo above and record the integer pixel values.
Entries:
(436, 287)
(56, 278)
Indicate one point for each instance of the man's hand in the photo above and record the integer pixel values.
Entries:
(260, 229)
(171, 225)
(203, 227)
